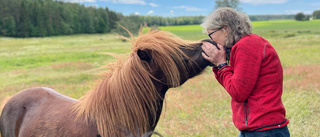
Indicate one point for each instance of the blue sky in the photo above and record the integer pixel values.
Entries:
(173, 8)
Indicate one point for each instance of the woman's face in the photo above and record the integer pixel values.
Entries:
(218, 35)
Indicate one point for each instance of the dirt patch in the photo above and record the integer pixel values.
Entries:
(305, 77)
(80, 65)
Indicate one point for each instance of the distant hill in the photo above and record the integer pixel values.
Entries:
(270, 17)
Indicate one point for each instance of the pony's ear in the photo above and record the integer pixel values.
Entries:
(144, 55)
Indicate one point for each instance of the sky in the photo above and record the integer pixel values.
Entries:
(174, 8)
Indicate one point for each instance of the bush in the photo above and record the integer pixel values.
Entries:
(300, 16)
(316, 14)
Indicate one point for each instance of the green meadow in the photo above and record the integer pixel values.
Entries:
(200, 107)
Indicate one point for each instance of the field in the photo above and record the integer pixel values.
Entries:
(200, 107)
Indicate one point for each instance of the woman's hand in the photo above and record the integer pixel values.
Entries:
(213, 54)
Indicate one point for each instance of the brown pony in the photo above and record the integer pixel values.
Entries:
(127, 102)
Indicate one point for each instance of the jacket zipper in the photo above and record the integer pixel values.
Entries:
(246, 108)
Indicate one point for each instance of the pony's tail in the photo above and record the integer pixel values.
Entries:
(3, 103)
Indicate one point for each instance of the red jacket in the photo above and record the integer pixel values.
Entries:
(254, 82)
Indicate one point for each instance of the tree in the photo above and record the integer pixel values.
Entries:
(35, 19)
(300, 16)
(130, 23)
(112, 19)
(102, 24)
(316, 14)
(228, 3)
(11, 26)
(23, 26)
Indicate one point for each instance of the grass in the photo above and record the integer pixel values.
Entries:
(65, 63)
(201, 107)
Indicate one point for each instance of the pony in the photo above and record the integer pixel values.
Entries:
(127, 101)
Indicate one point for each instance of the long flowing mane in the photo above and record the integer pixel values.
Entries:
(126, 96)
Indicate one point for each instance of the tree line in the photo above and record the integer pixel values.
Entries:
(270, 17)
(37, 18)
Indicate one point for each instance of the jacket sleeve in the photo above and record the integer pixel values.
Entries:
(240, 79)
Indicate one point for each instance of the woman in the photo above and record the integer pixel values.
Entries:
(253, 77)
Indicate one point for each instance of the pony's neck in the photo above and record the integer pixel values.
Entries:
(162, 90)
(118, 111)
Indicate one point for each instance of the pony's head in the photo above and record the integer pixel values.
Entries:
(167, 58)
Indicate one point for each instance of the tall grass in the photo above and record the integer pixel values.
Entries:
(200, 107)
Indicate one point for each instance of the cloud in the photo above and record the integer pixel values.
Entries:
(153, 5)
(308, 12)
(78, 1)
(93, 6)
(297, 11)
(188, 8)
(136, 13)
(171, 12)
(150, 12)
(314, 4)
(257, 2)
(141, 2)
(292, 11)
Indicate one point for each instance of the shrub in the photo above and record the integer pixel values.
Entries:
(300, 16)
(316, 14)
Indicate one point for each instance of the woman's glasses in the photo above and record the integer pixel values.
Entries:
(214, 32)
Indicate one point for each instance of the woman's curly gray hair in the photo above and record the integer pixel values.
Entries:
(237, 24)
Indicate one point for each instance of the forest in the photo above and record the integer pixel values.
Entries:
(38, 18)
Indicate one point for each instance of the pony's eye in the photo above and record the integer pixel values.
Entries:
(186, 61)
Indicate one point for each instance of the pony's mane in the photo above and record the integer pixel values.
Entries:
(126, 96)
